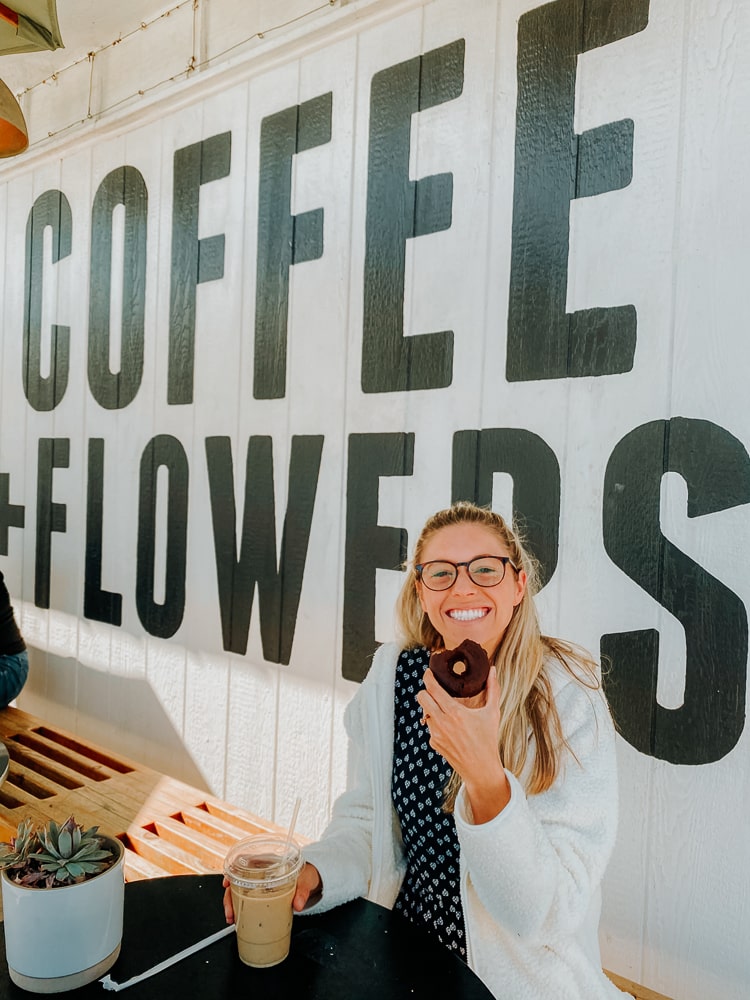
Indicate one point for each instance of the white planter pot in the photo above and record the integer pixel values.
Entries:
(59, 939)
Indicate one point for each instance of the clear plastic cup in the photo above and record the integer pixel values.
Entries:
(262, 873)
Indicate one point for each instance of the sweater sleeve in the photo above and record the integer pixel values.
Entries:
(536, 866)
(344, 853)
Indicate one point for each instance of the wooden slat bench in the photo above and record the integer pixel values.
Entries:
(167, 826)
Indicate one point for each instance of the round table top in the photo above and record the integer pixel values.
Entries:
(356, 950)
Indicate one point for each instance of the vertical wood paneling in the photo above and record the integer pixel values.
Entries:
(671, 243)
(16, 459)
(38, 425)
(218, 351)
(319, 305)
(166, 672)
(99, 671)
(251, 728)
(703, 383)
(611, 86)
(449, 273)
(269, 95)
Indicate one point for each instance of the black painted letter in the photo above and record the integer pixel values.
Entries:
(99, 605)
(532, 464)
(369, 545)
(283, 239)
(162, 619)
(279, 586)
(554, 166)
(193, 260)
(114, 390)
(716, 468)
(12, 515)
(399, 209)
(54, 453)
(45, 392)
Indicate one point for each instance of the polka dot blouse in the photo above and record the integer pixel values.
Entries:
(430, 895)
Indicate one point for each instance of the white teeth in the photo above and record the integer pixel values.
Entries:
(467, 616)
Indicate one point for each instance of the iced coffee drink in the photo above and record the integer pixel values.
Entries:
(262, 873)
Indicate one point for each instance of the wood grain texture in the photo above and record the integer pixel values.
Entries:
(634, 989)
(168, 827)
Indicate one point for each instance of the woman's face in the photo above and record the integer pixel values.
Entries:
(466, 610)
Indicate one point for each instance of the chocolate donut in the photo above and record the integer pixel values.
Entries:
(461, 683)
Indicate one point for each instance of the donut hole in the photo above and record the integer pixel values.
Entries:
(459, 668)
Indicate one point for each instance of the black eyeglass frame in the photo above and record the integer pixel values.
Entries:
(505, 560)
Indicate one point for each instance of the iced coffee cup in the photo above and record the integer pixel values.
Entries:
(262, 873)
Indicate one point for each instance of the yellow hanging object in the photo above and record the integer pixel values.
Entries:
(14, 136)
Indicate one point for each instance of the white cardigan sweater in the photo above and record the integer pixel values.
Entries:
(529, 878)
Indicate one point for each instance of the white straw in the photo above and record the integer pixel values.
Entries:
(109, 984)
(292, 825)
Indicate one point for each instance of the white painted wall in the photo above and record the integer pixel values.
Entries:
(673, 242)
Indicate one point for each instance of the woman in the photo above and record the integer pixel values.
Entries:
(488, 821)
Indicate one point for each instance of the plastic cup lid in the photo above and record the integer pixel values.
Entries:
(262, 861)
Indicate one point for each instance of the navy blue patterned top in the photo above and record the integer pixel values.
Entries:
(430, 894)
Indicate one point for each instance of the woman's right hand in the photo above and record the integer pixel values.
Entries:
(309, 883)
(228, 908)
(309, 887)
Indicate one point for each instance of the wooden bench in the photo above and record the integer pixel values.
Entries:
(634, 989)
(167, 826)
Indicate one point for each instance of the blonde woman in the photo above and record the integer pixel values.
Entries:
(487, 821)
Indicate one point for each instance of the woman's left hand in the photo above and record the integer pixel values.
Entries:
(467, 737)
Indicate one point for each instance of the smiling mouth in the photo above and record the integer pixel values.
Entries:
(467, 615)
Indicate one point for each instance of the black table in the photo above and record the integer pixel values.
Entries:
(359, 951)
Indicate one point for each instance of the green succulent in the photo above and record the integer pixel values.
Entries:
(55, 855)
(16, 853)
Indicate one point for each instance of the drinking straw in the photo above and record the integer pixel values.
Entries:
(292, 825)
(288, 841)
(109, 983)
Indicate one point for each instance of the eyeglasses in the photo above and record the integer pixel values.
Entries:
(484, 571)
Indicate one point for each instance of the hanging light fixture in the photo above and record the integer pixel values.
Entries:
(29, 26)
(25, 26)
(14, 136)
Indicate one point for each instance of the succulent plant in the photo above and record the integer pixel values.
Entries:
(54, 855)
(17, 854)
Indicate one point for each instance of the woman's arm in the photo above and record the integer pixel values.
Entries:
(344, 854)
(536, 865)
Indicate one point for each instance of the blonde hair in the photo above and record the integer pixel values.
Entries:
(527, 707)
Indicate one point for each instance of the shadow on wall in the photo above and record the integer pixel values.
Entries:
(120, 713)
